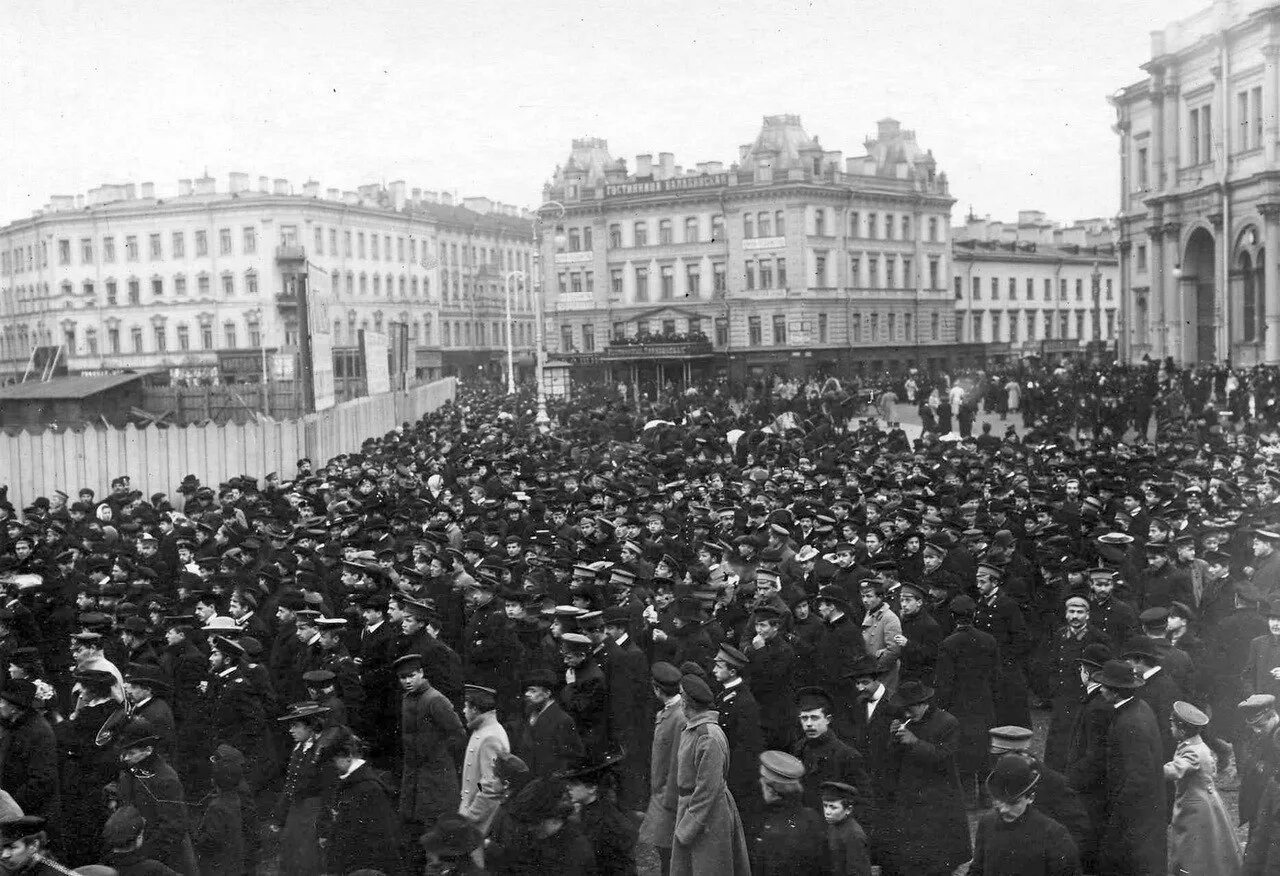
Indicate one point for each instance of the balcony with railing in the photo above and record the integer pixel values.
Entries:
(291, 253)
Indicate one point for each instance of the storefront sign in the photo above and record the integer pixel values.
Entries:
(678, 184)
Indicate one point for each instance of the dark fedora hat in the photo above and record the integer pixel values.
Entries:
(911, 693)
(1116, 674)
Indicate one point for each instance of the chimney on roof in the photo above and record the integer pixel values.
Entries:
(184, 187)
(62, 203)
(238, 182)
(446, 198)
(206, 185)
(431, 197)
(667, 164)
(311, 189)
(644, 165)
(280, 186)
(149, 190)
(264, 185)
(396, 190)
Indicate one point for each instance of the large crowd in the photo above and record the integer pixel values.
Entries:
(729, 630)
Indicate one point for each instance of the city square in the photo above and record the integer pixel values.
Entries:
(516, 445)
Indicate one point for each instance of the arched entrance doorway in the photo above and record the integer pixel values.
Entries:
(1247, 298)
(1198, 298)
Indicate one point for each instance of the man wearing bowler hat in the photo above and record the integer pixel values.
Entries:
(929, 832)
(1133, 820)
(548, 739)
(1016, 838)
(1054, 797)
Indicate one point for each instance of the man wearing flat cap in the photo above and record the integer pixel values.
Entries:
(481, 791)
(430, 732)
(658, 825)
(708, 835)
(548, 739)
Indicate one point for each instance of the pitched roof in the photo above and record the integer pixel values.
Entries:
(66, 387)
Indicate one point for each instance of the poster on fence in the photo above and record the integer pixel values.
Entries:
(319, 326)
(375, 350)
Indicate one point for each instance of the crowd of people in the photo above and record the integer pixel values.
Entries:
(721, 633)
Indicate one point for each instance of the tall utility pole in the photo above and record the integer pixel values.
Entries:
(538, 309)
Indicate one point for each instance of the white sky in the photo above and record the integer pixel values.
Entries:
(483, 98)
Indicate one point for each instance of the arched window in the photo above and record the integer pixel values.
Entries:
(1248, 323)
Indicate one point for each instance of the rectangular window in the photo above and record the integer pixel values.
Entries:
(202, 286)
(184, 338)
(779, 330)
(1109, 290)
(855, 327)
(642, 284)
(754, 336)
(64, 252)
(890, 272)
(691, 229)
(668, 280)
(871, 225)
(995, 326)
(1193, 136)
(664, 231)
(692, 280)
(977, 288)
(748, 225)
(586, 239)
(1079, 289)
(855, 230)
(908, 281)
(131, 248)
(749, 274)
(888, 226)
(113, 340)
(178, 243)
(1255, 104)
(959, 287)
(111, 292)
(386, 247)
(251, 284)
(108, 249)
(1062, 289)
(333, 243)
(1080, 324)
(820, 221)
(764, 222)
(934, 326)
(179, 285)
(155, 248)
(782, 273)
(718, 281)
(722, 332)
(1048, 289)
(1244, 140)
(875, 327)
(1013, 289)
(319, 240)
(995, 289)
(615, 283)
(229, 335)
(589, 282)
(135, 292)
(136, 334)
(86, 251)
(820, 270)
(822, 328)
(228, 285)
(202, 243)
(933, 229)
(717, 227)
(1031, 288)
(642, 233)
(780, 223)
(588, 338)
(766, 273)
(250, 240)
(400, 255)
(224, 241)
(1143, 173)
(360, 248)
(575, 240)
(575, 283)
(162, 342)
(615, 236)
(157, 286)
(906, 228)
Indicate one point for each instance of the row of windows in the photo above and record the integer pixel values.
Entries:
(1009, 326)
(1106, 288)
(765, 223)
(160, 339)
(355, 245)
(880, 327)
(465, 333)
(885, 275)
(363, 284)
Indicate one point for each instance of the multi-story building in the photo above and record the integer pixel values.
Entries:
(1032, 286)
(791, 260)
(1199, 198)
(203, 283)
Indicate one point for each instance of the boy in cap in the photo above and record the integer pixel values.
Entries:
(429, 730)
(846, 839)
(481, 793)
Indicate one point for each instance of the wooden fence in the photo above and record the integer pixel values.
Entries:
(158, 458)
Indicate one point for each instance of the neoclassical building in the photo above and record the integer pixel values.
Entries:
(1199, 224)
(792, 259)
(201, 282)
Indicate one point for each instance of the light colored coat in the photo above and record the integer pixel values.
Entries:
(481, 790)
(708, 836)
(1202, 837)
(660, 818)
(878, 630)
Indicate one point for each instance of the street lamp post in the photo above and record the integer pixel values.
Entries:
(540, 352)
(511, 332)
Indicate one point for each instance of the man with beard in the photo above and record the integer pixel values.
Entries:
(236, 716)
(1066, 688)
(585, 693)
(920, 638)
(547, 740)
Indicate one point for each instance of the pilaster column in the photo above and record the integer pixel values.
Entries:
(1170, 148)
(1270, 280)
(1161, 278)
(1174, 319)
(1270, 103)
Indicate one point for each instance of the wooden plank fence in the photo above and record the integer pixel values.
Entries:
(158, 458)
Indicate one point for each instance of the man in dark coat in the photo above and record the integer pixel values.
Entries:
(30, 753)
(1260, 669)
(374, 658)
(1133, 836)
(585, 695)
(1066, 690)
(874, 715)
(921, 635)
(1054, 796)
(430, 734)
(547, 740)
(837, 650)
(740, 718)
(147, 783)
(792, 840)
(772, 671)
(999, 616)
(1087, 749)
(1158, 690)
(630, 709)
(1118, 620)
(968, 665)
(826, 757)
(931, 834)
(1018, 838)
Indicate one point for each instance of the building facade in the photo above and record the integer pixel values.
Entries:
(791, 260)
(1200, 189)
(204, 284)
(1034, 287)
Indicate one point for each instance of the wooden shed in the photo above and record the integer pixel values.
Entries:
(70, 401)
